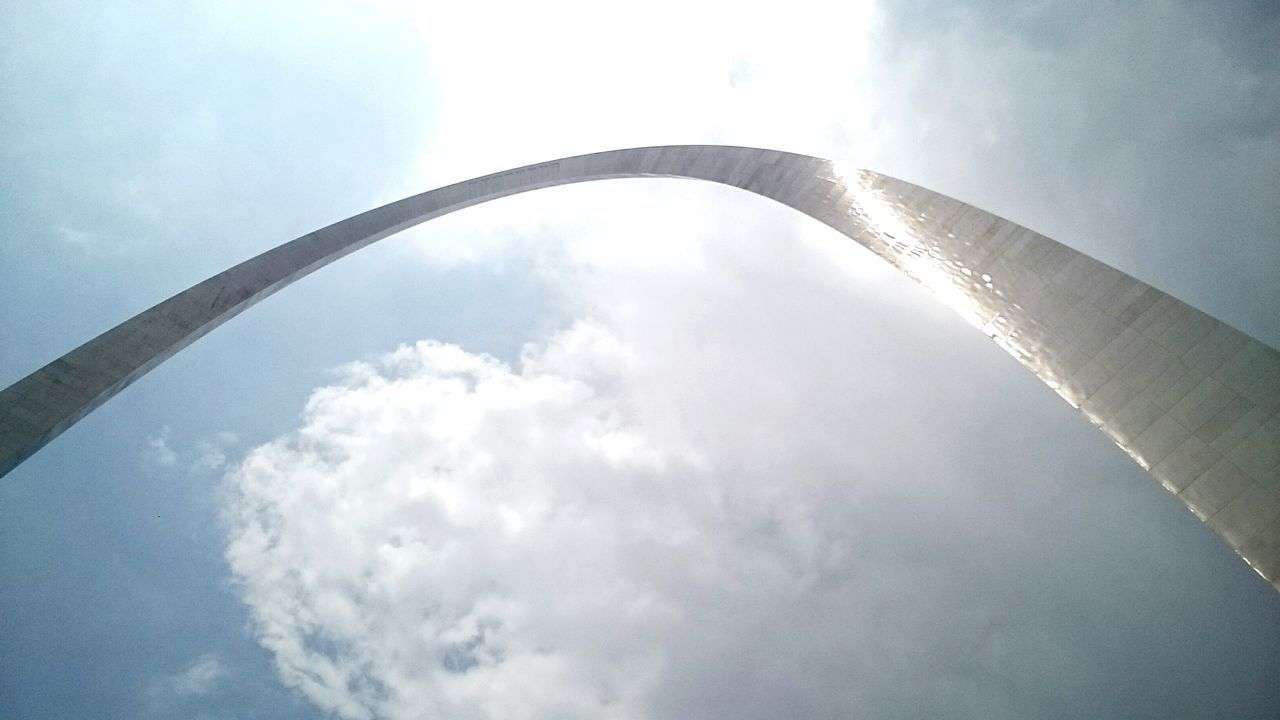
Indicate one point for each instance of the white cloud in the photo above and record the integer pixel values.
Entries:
(159, 452)
(82, 239)
(485, 480)
(211, 452)
(201, 677)
(206, 454)
(693, 502)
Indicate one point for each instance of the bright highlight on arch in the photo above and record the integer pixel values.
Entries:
(1191, 399)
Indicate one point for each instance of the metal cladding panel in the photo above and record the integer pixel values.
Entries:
(1189, 398)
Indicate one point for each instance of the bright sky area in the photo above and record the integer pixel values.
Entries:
(639, 449)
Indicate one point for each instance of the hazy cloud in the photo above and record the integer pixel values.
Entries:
(1131, 131)
(211, 453)
(159, 452)
(204, 455)
(200, 678)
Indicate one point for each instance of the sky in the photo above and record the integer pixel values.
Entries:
(634, 449)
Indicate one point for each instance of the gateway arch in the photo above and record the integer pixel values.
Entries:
(1191, 399)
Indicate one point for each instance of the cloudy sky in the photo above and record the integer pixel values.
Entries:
(639, 449)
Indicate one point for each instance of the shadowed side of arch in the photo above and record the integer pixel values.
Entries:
(1191, 399)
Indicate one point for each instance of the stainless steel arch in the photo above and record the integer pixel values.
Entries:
(1191, 399)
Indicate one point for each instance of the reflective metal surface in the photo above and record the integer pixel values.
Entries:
(1191, 399)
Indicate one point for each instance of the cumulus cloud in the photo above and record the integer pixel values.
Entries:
(723, 490)
(448, 535)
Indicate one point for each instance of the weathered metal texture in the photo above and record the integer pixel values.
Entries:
(1191, 399)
